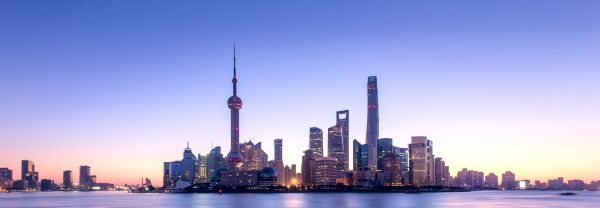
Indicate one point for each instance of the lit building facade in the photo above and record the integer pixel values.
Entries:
(234, 158)
(343, 121)
(372, 123)
(29, 174)
(316, 141)
(421, 161)
(325, 171)
(6, 178)
(85, 178)
(384, 146)
(335, 146)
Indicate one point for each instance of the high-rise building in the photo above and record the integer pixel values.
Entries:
(384, 146)
(254, 157)
(439, 168)
(6, 178)
(214, 161)
(403, 155)
(316, 141)
(308, 168)
(202, 177)
(46, 185)
(172, 173)
(508, 180)
(491, 181)
(391, 167)
(278, 149)
(234, 158)
(421, 161)
(343, 121)
(372, 123)
(85, 180)
(189, 165)
(293, 175)
(335, 146)
(288, 175)
(68, 180)
(325, 171)
(29, 174)
(360, 156)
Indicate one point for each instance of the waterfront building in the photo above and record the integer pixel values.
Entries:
(575, 184)
(29, 174)
(240, 178)
(67, 180)
(85, 179)
(214, 160)
(556, 184)
(325, 171)
(46, 185)
(384, 146)
(403, 156)
(254, 157)
(267, 177)
(288, 175)
(202, 175)
(391, 169)
(372, 123)
(234, 158)
(440, 174)
(6, 178)
(293, 175)
(21, 185)
(421, 161)
(491, 181)
(343, 121)
(335, 146)
(279, 165)
(189, 165)
(508, 181)
(360, 156)
(316, 141)
(308, 168)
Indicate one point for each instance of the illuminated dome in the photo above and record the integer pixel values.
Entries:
(216, 175)
(234, 102)
(268, 172)
(235, 159)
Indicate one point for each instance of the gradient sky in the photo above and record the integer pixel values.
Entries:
(123, 85)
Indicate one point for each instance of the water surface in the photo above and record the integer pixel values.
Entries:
(513, 199)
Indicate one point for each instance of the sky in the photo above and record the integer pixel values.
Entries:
(123, 85)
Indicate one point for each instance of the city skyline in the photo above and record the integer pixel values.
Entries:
(492, 103)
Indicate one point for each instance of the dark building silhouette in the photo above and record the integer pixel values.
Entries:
(28, 173)
(46, 185)
(343, 121)
(234, 158)
(6, 178)
(68, 180)
(372, 122)
(384, 146)
(85, 178)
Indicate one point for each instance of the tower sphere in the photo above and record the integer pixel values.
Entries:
(234, 102)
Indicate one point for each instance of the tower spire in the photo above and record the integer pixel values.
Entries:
(234, 80)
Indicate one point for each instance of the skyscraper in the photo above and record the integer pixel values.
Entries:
(28, 173)
(214, 160)
(491, 181)
(335, 146)
(85, 179)
(315, 141)
(189, 165)
(343, 121)
(202, 177)
(508, 181)
(384, 146)
(308, 168)
(403, 154)
(6, 178)
(234, 158)
(278, 149)
(279, 166)
(421, 161)
(67, 180)
(372, 122)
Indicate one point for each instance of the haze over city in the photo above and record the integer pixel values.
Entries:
(123, 86)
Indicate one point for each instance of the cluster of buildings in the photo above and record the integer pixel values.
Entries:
(376, 163)
(30, 180)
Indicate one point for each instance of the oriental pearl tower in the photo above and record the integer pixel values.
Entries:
(234, 158)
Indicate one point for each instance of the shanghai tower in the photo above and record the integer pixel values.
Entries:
(372, 123)
(234, 158)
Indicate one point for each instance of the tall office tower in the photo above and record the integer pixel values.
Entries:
(403, 154)
(343, 121)
(202, 177)
(335, 146)
(316, 141)
(68, 180)
(391, 167)
(293, 174)
(421, 161)
(85, 180)
(356, 154)
(278, 149)
(325, 171)
(384, 146)
(28, 173)
(167, 178)
(214, 160)
(254, 157)
(508, 181)
(491, 181)
(372, 122)
(288, 175)
(188, 165)
(308, 168)
(439, 169)
(6, 178)
(279, 166)
(234, 158)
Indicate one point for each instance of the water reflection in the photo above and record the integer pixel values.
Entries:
(513, 199)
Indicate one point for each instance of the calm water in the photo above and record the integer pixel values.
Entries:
(513, 199)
